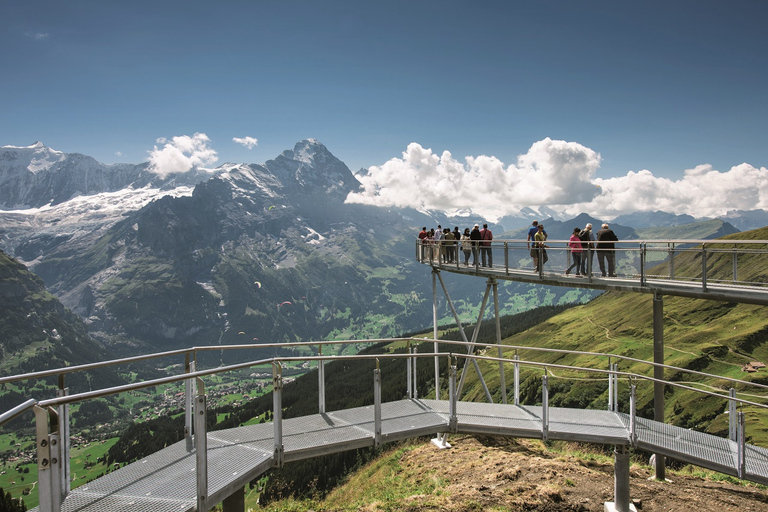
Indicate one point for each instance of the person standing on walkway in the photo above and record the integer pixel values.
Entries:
(422, 241)
(439, 249)
(475, 236)
(587, 238)
(540, 247)
(574, 245)
(486, 251)
(466, 246)
(606, 250)
(532, 243)
(449, 246)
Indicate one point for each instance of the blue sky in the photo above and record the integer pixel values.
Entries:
(657, 86)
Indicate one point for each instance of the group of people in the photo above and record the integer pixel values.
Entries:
(443, 245)
(582, 243)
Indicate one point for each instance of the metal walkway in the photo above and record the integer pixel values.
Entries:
(165, 481)
(703, 269)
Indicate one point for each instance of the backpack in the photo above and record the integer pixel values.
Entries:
(584, 235)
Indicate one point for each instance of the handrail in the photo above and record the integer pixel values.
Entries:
(185, 376)
(68, 399)
(101, 364)
(16, 411)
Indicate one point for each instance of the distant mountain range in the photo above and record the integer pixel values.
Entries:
(244, 252)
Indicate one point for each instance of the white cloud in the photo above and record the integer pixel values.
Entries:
(556, 174)
(37, 36)
(118, 153)
(248, 142)
(181, 154)
(552, 172)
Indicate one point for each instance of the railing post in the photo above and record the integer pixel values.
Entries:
(321, 382)
(506, 258)
(643, 249)
(671, 250)
(742, 445)
(414, 381)
(277, 412)
(453, 422)
(408, 370)
(201, 447)
(48, 459)
(377, 404)
(615, 387)
(703, 268)
(544, 406)
(632, 412)
(517, 379)
(63, 411)
(733, 420)
(735, 258)
(189, 393)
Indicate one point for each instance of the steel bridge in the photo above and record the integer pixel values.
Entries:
(207, 468)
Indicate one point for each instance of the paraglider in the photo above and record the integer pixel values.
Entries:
(257, 283)
(241, 332)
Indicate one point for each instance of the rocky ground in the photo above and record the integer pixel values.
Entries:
(507, 474)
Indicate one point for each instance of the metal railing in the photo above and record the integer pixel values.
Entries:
(644, 263)
(52, 415)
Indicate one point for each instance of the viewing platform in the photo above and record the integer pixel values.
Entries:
(703, 269)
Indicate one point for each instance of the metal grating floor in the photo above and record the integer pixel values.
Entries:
(165, 481)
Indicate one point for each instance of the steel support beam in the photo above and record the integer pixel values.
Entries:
(658, 374)
(621, 482)
(502, 379)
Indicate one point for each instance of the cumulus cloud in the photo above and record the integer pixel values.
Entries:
(248, 142)
(555, 174)
(552, 172)
(701, 192)
(181, 153)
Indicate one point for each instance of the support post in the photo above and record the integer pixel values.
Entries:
(517, 379)
(63, 411)
(415, 380)
(201, 447)
(742, 445)
(502, 380)
(704, 268)
(471, 349)
(277, 413)
(733, 421)
(632, 412)
(189, 393)
(621, 482)
(434, 329)
(48, 459)
(453, 422)
(321, 382)
(377, 405)
(610, 386)
(235, 502)
(544, 406)
(408, 370)
(658, 374)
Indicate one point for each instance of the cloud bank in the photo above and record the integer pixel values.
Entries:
(248, 142)
(556, 174)
(181, 153)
